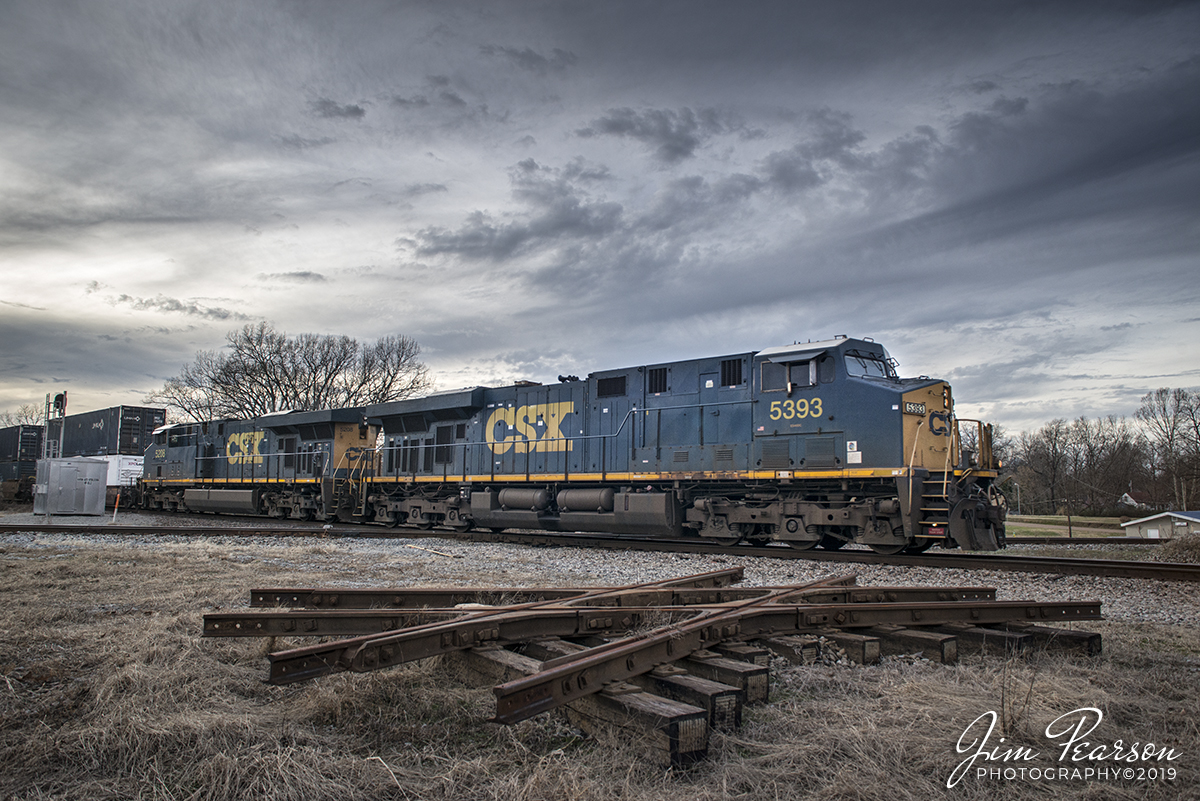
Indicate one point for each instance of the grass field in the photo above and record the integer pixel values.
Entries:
(1056, 526)
(110, 693)
(1113, 523)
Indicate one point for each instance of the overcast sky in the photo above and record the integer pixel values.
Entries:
(1006, 195)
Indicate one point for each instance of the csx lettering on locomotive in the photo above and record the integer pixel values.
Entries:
(529, 429)
(245, 448)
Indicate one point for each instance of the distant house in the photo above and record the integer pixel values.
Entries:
(1137, 500)
(1164, 525)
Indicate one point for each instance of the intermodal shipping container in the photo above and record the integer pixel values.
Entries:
(15, 471)
(18, 443)
(125, 430)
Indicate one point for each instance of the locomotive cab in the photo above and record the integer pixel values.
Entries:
(880, 456)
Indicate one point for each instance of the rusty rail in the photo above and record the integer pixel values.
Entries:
(473, 628)
(357, 617)
(568, 678)
(666, 661)
(685, 617)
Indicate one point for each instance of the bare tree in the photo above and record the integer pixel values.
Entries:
(1107, 457)
(1044, 463)
(263, 370)
(28, 414)
(1004, 447)
(1086, 465)
(1171, 418)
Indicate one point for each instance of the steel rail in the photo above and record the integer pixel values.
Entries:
(473, 628)
(572, 677)
(1111, 568)
(1116, 540)
(362, 621)
(376, 532)
(434, 597)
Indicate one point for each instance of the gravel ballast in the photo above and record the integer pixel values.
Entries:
(432, 561)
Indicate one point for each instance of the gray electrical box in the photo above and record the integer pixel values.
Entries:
(70, 487)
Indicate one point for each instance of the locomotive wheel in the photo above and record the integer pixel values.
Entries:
(919, 546)
(889, 549)
(831, 543)
(802, 545)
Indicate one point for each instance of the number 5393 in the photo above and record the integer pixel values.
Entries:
(796, 410)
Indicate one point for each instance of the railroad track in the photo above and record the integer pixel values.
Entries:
(666, 661)
(1162, 571)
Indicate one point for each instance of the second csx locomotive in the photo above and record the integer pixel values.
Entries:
(819, 443)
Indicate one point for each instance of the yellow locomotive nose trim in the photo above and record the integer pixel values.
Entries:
(928, 430)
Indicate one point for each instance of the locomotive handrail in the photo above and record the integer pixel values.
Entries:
(603, 437)
(465, 445)
(381, 450)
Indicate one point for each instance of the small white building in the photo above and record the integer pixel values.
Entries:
(1163, 525)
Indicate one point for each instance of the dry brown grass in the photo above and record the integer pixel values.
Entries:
(110, 693)
(1185, 548)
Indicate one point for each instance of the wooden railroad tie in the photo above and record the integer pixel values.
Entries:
(669, 661)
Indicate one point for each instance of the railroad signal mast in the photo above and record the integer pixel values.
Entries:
(56, 410)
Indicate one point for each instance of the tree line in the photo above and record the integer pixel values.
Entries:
(262, 370)
(1087, 466)
(1082, 467)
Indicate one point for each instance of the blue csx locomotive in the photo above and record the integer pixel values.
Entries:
(820, 443)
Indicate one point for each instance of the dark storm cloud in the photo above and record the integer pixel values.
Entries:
(529, 59)
(415, 190)
(672, 135)
(1076, 155)
(561, 210)
(297, 142)
(830, 144)
(982, 87)
(445, 102)
(562, 215)
(920, 169)
(85, 355)
(331, 110)
(22, 305)
(162, 303)
(918, 205)
(419, 101)
(300, 276)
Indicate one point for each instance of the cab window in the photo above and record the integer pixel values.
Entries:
(868, 365)
(777, 376)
